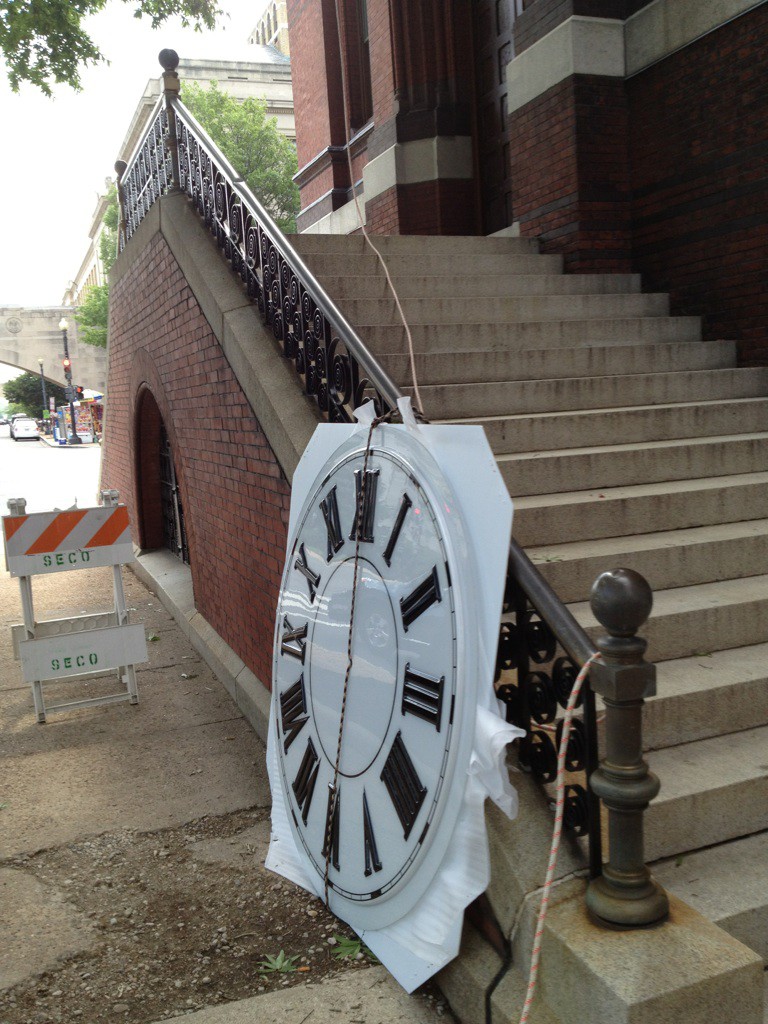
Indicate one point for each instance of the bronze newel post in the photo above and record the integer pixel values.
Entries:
(120, 168)
(625, 895)
(169, 61)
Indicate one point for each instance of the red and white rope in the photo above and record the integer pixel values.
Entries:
(557, 832)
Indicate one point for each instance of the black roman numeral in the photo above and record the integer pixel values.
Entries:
(372, 862)
(304, 783)
(332, 826)
(417, 602)
(405, 504)
(364, 516)
(423, 696)
(403, 785)
(313, 580)
(330, 509)
(292, 641)
(293, 712)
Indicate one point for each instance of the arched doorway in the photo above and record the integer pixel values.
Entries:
(160, 506)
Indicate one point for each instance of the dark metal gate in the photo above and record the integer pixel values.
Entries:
(174, 534)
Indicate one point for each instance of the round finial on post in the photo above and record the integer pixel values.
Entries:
(120, 168)
(621, 601)
(625, 895)
(169, 60)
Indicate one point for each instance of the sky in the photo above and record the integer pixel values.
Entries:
(58, 152)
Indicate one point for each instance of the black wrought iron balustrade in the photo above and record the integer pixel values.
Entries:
(541, 650)
(534, 679)
(335, 367)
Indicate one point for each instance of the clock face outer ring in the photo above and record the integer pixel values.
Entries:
(415, 461)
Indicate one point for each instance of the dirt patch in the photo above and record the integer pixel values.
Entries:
(182, 918)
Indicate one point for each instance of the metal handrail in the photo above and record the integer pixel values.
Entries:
(378, 376)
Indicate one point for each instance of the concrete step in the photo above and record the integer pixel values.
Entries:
(728, 884)
(467, 978)
(547, 334)
(413, 244)
(504, 398)
(697, 620)
(341, 265)
(552, 472)
(544, 431)
(622, 511)
(707, 695)
(667, 559)
(711, 791)
(473, 285)
(500, 309)
(538, 364)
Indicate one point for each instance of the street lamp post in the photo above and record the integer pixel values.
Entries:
(42, 385)
(63, 327)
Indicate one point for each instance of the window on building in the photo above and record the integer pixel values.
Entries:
(359, 64)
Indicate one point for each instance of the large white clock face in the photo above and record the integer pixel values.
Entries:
(405, 716)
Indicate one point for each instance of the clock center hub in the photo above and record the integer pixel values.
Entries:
(373, 679)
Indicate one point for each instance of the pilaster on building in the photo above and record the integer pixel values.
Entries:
(603, 130)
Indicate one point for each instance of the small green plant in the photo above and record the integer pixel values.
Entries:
(280, 964)
(351, 949)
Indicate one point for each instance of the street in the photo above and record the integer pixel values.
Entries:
(47, 477)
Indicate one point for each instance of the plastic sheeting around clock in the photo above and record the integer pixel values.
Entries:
(427, 937)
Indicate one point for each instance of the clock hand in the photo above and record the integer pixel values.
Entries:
(333, 787)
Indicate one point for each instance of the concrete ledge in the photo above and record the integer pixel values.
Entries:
(664, 27)
(171, 581)
(579, 46)
(684, 971)
(269, 382)
(408, 163)
(613, 48)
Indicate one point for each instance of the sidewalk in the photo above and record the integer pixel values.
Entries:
(131, 849)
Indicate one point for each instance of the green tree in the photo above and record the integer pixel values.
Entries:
(26, 394)
(251, 142)
(44, 42)
(93, 314)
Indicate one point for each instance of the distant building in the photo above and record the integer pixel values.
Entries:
(272, 27)
(266, 75)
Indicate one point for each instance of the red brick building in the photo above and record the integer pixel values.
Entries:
(624, 134)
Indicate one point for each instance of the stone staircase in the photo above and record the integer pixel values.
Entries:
(625, 441)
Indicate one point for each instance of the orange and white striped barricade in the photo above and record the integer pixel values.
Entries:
(83, 646)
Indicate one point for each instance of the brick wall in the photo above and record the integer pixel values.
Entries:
(235, 496)
(699, 158)
(443, 207)
(570, 172)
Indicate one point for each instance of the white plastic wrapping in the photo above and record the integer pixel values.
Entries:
(427, 937)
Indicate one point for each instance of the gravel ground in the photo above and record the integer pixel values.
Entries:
(181, 918)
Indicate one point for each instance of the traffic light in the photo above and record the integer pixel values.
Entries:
(67, 364)
(78, 391)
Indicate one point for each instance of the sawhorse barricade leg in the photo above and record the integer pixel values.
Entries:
(87, 646)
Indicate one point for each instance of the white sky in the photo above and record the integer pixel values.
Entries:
(57, 152)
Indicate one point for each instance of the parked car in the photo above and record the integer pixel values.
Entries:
(3, 421)
(23, 428)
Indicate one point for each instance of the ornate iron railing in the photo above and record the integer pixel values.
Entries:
(335, 367)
